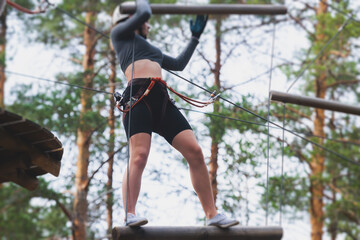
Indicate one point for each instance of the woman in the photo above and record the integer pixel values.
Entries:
(152, 111)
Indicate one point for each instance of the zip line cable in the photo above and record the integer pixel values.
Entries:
(128, 131)
(342, 27)
(282, 166)
(57, 82)
(221, 116)
(82, 22)
(264, 125)
(268, 124)
(341, 11)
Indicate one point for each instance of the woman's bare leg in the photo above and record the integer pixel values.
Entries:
(139, 152)
(186, 143)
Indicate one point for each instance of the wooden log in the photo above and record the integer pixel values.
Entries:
(37, 158)
(20, 177)
(196, 233)
(26, 151)
(314, 102)
(257, 9)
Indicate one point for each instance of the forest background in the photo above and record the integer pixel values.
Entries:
(256, 176)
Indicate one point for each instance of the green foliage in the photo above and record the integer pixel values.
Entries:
(290, 191)
(339, 63)
(57, 110)
(2, 59)
(31, 215)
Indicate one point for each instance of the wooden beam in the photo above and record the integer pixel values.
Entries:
(20, 177)
(38, 158)
(314, 102)
(224, 9)
(197, 233)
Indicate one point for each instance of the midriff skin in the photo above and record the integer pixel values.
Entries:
(143, 69)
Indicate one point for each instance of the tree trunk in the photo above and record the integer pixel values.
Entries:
(84, 135)
(213, 164)
(333, 221)
(317, 161)
(3, 28)
(111, 123)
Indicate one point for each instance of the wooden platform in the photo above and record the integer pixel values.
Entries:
(27, 150)
(197, 233)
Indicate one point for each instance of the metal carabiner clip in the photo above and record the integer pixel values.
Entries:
(213, 97)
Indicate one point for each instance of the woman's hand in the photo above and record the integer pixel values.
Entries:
(198, 27)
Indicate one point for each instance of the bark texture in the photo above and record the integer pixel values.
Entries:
(213, 164)
(84, 134)
(111, 123)
(317, 162)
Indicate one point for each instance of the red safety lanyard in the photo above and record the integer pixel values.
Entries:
(193, 102)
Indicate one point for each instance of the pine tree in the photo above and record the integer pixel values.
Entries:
(332, 74)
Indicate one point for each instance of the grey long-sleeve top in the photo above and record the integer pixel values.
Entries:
(123, 37)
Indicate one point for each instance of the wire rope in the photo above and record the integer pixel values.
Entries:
(264, 125)
(82, 22)
(342, 27)
(128, 131)
(55, 81)
(341, 11)
(282, 166)
(268, 123)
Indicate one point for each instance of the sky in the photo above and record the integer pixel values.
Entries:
(36, 60)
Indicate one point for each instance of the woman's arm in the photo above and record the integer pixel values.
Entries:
(126, 28)
(179, 63)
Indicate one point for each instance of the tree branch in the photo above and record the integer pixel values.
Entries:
(342, 82)
(205, 59)
(299, 21)
(102, 164)
(64, 209)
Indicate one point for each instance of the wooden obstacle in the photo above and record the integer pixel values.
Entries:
(27, 150)
(258, 9)
(197, 233)
(314, 102)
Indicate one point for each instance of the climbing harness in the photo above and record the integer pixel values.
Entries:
(41, 8)
(123, 100)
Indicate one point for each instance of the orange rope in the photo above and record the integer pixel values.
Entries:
(25, 10)
(191, 101)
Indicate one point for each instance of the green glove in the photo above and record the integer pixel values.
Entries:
(199, 26)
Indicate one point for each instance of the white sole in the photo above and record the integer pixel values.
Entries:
(225, 225)
(137, 224)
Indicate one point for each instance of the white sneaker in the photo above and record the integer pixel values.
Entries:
(135, 221)
(221, 221)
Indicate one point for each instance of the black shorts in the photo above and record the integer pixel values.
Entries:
(151, 115)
